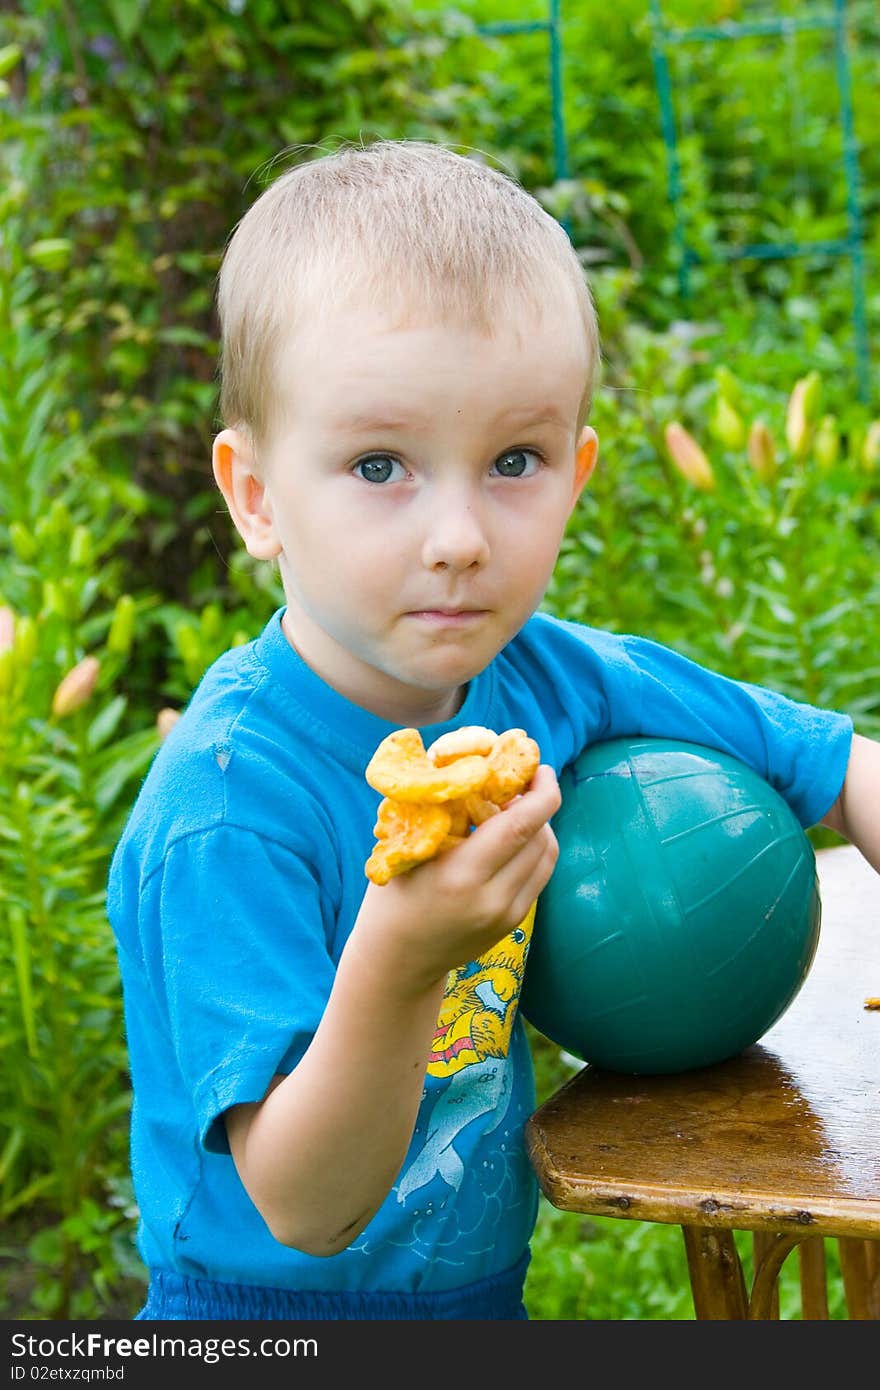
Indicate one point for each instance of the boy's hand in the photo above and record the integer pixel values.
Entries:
(450, 910)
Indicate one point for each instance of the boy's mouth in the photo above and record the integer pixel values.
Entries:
(455, 617)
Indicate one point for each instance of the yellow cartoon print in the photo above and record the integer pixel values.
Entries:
(479, 1004)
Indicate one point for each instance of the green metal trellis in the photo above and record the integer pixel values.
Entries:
(552, 26)
(832, 20)
(664, 37)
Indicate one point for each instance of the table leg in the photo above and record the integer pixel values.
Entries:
(775, 1249)
(762, 1243)
(861, 1282)
(717, 1284)
(872, 1261)
(814, 1285)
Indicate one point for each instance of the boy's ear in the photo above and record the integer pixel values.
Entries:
(586, 454)
(245, 492)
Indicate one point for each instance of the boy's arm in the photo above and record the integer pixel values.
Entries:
(319, 1154)
(856, 812)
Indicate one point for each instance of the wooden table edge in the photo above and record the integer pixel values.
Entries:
(740, 1210)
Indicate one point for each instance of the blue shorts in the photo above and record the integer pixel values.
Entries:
(179, 1297)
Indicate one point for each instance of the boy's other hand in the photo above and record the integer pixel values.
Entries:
(451, 909)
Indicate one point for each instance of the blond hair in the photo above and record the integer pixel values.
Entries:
(403, 221)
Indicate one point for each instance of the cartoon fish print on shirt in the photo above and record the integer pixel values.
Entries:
(470, 1046)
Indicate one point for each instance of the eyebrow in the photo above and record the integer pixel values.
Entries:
(387, 421)
(534, 415)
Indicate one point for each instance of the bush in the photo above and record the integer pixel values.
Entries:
(131, 141)
(71, 751)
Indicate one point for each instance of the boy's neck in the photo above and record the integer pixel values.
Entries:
(407, 708)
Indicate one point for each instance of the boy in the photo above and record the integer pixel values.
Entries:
(408, 354)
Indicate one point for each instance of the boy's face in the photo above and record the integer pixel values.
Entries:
(416, 495)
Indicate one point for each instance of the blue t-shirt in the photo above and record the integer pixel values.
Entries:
(235, 885)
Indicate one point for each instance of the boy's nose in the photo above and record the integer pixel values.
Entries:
(454, 539)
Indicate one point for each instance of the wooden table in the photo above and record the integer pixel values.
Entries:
(782, 1141)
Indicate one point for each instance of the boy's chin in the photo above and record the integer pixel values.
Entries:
(441, 678)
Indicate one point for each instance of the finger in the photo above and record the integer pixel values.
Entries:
(545, 786)
(526, 874)
(535, 884)
(498, 840)
(515, 904)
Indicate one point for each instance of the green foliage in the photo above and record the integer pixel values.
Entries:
(773, 579)
(601, 1268)
(95, 1237)
(132, 138)
(68, 768)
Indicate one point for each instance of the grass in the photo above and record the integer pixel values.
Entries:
(600, 1268)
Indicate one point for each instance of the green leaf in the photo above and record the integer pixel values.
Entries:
(163, 45)
(299, 36)
(50, 253)
(21, 957)
(133, 758)
(41, 1186)
(104, 725)
(127, 15)
(10, 57)
(47, 1246)
(10, 1151)
(183, 336)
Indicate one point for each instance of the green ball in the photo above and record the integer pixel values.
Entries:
(682, 916)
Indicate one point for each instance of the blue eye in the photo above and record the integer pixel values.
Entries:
(517, 463)
(378, 468)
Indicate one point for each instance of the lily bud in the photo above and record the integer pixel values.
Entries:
(166, 720)
(762, 451)
(871, 447)
(729, 388)
(76, 687)
(801, 413)
(186, 639)
(826, 445)
(27, 641)
(7, 629)
(727, 425)
(121, 634)
(211, 622)
(58, 520)
(23, 541)
(688, 457)
(187, 642)
(81, 548)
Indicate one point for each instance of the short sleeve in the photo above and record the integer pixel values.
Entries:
(801, 750)
(239, 964)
